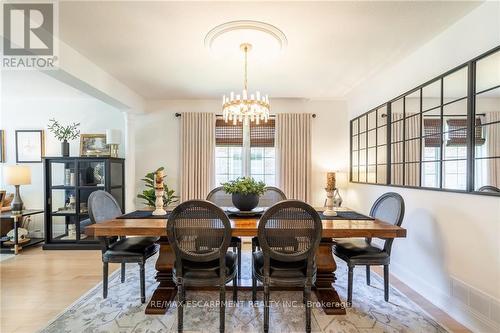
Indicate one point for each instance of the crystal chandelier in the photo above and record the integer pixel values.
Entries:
(244, 107)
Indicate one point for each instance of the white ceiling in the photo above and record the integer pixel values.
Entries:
(156, 48)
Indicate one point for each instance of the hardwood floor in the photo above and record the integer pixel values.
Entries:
(37, 285)
(439, 315)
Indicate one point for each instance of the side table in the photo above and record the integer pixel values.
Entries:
(17, 219)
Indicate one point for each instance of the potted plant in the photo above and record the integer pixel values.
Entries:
(149, 193)
(245, 192)
(64, 134)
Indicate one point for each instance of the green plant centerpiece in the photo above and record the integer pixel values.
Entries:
(64, 133)
(148, 195)
(245, 192)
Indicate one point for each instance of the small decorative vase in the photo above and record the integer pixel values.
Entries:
(245, 202)
(65, 148)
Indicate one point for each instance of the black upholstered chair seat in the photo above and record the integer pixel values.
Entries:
(133, 246)
(235, 241)
(281, 270)
(208, 269)
(199, 233)
(358, 249)
(289, 235)
(102, 207)
(390, 208)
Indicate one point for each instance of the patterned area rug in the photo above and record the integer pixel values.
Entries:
(123, 312)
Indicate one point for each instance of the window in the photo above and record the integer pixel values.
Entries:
(245, 150)
(369, 147)
(262, 153)
(441, 135)
(228, 163)
(228, 151)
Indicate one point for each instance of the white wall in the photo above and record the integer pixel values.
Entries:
(452, 252)
(32, 107)
(157, 137)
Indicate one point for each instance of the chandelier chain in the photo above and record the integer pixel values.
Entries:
(245, 83)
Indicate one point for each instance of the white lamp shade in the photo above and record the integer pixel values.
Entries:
(342, 179)
(113, 137)
(17, 175)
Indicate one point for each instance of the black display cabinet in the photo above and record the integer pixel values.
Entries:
(68, 184)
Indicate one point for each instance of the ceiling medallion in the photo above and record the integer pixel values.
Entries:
(265, 41)
(253, 32)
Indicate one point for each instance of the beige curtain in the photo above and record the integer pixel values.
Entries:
(293, 152)
(412, 151)
(197, 152)
(493, 147)
(397, 149)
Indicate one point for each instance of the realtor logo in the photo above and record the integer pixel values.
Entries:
(28, 31)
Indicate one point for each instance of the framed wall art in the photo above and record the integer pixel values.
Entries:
(2, 146)
(94, 145)
(30, 146)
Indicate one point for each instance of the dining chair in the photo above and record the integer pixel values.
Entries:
(489, 189)
(289, 234)
(222, 199)
(390, 208)
(102, 206)
(272, 195)
(200, 233)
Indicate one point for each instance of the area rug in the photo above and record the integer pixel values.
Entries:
(122, 311)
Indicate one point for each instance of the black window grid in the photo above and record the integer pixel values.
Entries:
(471, 115)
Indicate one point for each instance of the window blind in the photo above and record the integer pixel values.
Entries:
(262, 135)
(432, 132)
(458, 132)
(227, 134)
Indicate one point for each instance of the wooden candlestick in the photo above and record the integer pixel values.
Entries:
(159, 191)
(330, 181)
(330, 193)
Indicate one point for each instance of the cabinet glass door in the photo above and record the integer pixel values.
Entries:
(62, 173)
(92, 173)
(63, 228)
(63, 201)
(116, 170)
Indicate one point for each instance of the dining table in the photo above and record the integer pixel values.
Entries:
(141, 223)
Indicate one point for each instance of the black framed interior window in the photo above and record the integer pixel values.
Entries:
(369, 147)
(443, 135)
(486, 141)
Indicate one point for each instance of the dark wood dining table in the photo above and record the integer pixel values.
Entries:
(247, 227)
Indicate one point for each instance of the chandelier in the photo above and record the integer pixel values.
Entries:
(245, 107)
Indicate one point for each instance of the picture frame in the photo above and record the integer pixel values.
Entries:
(3, 194)
(2, 146)
(30, 146)
(94, 145)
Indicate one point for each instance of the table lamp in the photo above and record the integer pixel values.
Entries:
(113, 138)
(17, 175)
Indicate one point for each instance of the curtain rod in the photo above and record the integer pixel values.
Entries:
(453, 115)
(444, 115)
(177, 115)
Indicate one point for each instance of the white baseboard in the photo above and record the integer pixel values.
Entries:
(460, 311)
